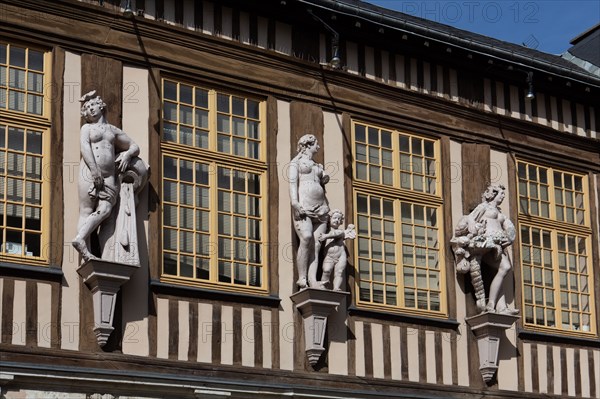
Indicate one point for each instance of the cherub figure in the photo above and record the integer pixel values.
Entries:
(335, 252)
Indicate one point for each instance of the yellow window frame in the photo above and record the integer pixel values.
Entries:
(399, 195)
(215, 159)
(42, 123)
(557, 227)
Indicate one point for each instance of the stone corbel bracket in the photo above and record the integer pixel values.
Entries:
(315, 305)
(488, 329)
(104, 279)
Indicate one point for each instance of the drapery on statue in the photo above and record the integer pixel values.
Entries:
(482, 237)
(110, 177)
(335, 252)
(307, 181)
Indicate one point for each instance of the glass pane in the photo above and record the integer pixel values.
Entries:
(253, 109)
(186, 218)
(170, 264)
(170, 111)
(223, 143)
(16, 101)
(185, 135)
(186, 115)
(417, 146)
(222, 103)
(35, 82)
(185, 94)
(201, 118)
(170, 90)
(201, 98)
(223, 124)
(238, 106)
(170, 132)
(201, 138)
(16, 78)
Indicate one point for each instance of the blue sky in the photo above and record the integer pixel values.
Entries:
(547, 25)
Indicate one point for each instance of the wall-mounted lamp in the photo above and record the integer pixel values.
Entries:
(128, 12)
(335, 61)
(530, 93)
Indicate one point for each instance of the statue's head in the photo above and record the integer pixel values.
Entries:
(336, 217)
(92, 106)
(493, 191)
(306, 141)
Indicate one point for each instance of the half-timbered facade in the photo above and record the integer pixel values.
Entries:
(413, 124)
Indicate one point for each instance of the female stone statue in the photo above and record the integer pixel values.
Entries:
(482, 236)
(99, 170)
(311, 210)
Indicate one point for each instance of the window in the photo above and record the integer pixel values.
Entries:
(214, 188)
(555, 236)
(398, 204)
(24, 130)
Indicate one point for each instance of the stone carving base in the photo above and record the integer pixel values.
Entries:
(489, 329)
(315, 305)
(105, 279)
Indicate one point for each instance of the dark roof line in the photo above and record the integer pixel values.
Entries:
(445, 34)
(583, 35)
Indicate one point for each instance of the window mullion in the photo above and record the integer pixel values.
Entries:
(399, 257)
(395, 159)
(552, 194)
(214, 223)
(212, 120)
(556, 277)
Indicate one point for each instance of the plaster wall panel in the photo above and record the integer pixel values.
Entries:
(19, 313)
(400, 76)
(267, 339)
(227, 333)
(284, 235)
(395, 351)
(359, 334)
(184, 330)
(208, 18)
(162, 335)
(71, 121)
(248, 337)
(135, 292)
(205, 329)
(44, 311)
(283, 38)
(352, 58)
(412, 336)
(334, 166)
(377, 348)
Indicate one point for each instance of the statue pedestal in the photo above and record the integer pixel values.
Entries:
(105, 279)
(315, 305)
(489, 329)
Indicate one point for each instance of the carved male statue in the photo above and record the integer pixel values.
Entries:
(110, 171)
(483, 236)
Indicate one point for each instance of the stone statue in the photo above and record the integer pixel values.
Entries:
(307, 181)
(110, 177)
(335, 252)
(482, 237)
